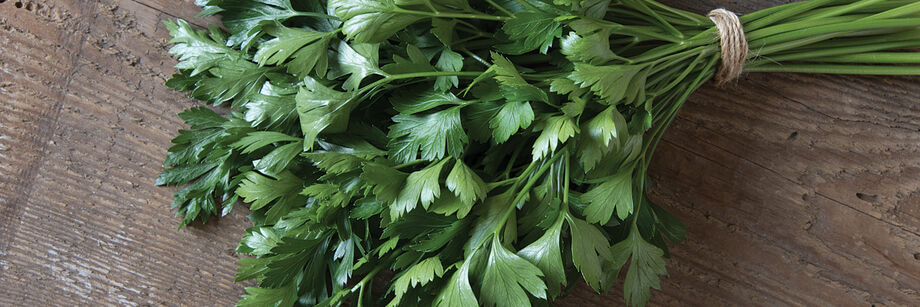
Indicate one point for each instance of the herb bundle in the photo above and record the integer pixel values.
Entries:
(486, 152)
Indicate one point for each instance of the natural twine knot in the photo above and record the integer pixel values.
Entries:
(734, 44)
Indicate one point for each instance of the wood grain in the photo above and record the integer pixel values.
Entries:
(798, 190)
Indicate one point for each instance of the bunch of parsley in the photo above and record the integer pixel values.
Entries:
(477, 152)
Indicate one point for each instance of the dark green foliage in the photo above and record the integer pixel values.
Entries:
(486, 152)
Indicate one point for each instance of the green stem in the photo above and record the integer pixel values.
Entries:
(875, 58)
(896, 12)
(839, 29)
(838, 69)
(361, 284)
(500, 8)
(818, 55)
(640, 6)
(697, 19)
(526, 189)
(776, 14)
(840, 10)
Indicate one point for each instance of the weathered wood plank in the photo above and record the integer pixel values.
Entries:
(91, 227)
(798, 190)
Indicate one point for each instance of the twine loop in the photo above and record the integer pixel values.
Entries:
(733, 43)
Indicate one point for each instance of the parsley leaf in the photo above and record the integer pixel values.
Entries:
(507, 276)
(305, 48)
(432, 135)
(321, 109)
(590, 250)
(371, 21)
(555, 130)
(646, 263)
(546, 254)
(458, 292)
(468, 186)
(615, 192)
(512, 116)
(421, 187)
(531, 30)
(606, 81)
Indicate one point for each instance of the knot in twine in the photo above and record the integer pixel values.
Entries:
(734, 44)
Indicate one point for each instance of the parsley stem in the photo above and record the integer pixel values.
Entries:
(500, 8)
(821, 54)
(526, 189)
(640, 5)
(837, 69)
(496, 184)
(697, 19)
(779, 35)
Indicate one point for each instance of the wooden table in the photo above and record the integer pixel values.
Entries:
(798, 190)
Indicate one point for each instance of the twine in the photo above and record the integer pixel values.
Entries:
(734, 44)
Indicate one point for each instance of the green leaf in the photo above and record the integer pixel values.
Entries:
(531, 30)
(330, 194)
(490, 218)
(260, 190)
(546, 254)
(371, 21)
(512, 116)
(258, 241)
(417, 62)
(211, 71)
(250, 268)
(616, 192)
(466, 184)
(387, 246)
(434, 134)
(277, 297)
(598, 134)
(611, 82)
(421, 187)
(387, 181)
(556, 130)
(365, 208)
(274, 107)
(334, 162)
(414, 102)
(513, 86)
(590, 250)
(448, 61)
(183, 174)
(278, 159)
(232, 80)
(437, 239)
(457, 292)
(448, 204)
(507, 276)
(593, 49)
(306, 49)
(246, 18)
(198, 50)
(321, 109)
(358, 61)
(417, 275)
(646, 263)
(443, 29)
(257, 139)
